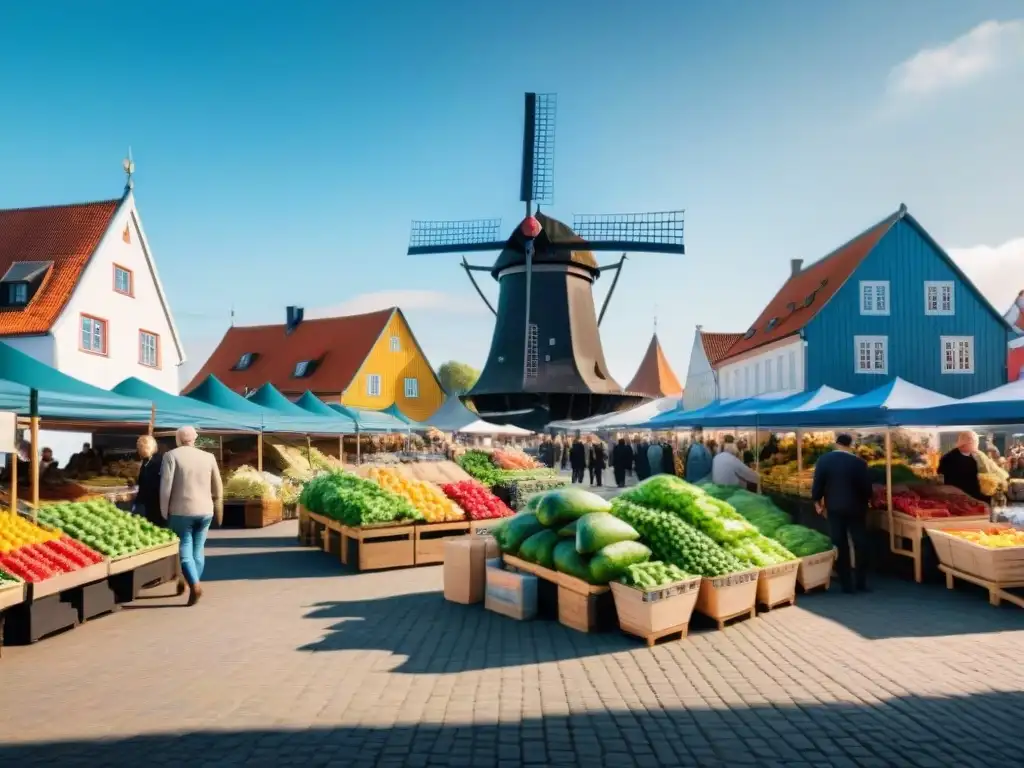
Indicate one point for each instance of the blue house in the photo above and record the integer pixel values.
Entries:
(888, 303)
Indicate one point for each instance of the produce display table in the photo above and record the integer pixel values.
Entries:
(581, 606)
(148, 568)
(374, 548)
(655, 614)
(907, 533)
(430, 539)
(776, 585)
(997, 570)
(733, 596)
(11, 593)
(59, 603)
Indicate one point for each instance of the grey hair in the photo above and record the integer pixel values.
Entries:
(186, 436)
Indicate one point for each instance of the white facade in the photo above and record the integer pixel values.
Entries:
(124, 316)
(777, 367)
(701, 381)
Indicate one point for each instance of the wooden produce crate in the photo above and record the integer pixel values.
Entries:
(776, 585)
(143, 557)
(33, 620)
(65, 581)
(430, 539)
(654, 614)
(484, 527)
(11, 593)
(996, 569)
(374, 548)
(816, 571)
(906, 533)
(127, 585)
(581, 606)
(733, 596)
(251, 513)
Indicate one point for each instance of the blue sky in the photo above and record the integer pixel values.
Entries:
(281, 154)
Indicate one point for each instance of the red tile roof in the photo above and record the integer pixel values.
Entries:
(340, 344)
(1015, 315)
(805, 293)
(67, 235)
(717, 345)
(655, 377)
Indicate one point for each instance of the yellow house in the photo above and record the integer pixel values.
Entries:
(367, 361)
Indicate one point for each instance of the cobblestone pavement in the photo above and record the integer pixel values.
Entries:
(287, 662)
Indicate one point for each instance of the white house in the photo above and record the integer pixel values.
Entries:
(702, 378)
(79, 291)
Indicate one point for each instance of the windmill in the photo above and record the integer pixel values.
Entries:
(546, 362)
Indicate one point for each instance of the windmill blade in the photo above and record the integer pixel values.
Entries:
(538, 175)
(636, 232)
(455, 236)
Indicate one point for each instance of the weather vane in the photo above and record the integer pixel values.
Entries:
(129, 169)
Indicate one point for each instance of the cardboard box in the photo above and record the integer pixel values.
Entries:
(464, 559)
(510, 594)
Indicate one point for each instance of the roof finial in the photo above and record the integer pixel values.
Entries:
(129, 169)
(655, 319)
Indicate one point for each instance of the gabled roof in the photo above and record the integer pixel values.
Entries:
(339, 345)
(1015, 315)
(655, 377)
(717, 345)
(66, 235)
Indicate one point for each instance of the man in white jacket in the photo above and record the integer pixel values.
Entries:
(728, 469)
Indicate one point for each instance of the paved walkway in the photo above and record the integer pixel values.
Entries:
(288, 662)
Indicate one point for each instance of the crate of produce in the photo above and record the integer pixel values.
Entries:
(12, 591)
(582, 606)
(728, 597)
(816, 570)
(483, 509)
(964, 550)
(134, 560)
(430, 539)
(656, 613)
(776, 585)
(375, 548)
(251, 513)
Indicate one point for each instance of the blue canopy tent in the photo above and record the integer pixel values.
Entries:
(1002, 405)
(754, 411)
(370, 420)
(213, 392)
(174, 411)
(681, 418)
(395, 412)
(332, 423)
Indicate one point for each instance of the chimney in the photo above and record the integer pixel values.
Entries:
(794, 267)
(293, 317)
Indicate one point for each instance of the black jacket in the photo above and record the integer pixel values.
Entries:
(622, 457)
(643, 467)
(668, 459)
(842, 480)
(578, 456)
(148, 481)
(961, 472)
(596, 456)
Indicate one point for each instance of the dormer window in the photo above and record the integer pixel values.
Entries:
(772, 323)
(20, 283)
(750, 334)
(302, 369)
(245, 361)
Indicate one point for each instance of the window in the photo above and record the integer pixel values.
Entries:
(17, 294)
(149, 349)
(412, 388)
(874, 297)
(301, 369)
(938, 297)
(396, 345)
(957, 354)
(872, 354)
(123, 281)
(94, 335)
(779, 382)
(373, 385)
(244, 361)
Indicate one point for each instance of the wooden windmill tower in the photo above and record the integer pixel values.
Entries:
(546, 362)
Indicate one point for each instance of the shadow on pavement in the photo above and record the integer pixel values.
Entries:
(294, 563)
(909, 731)
(251, 542)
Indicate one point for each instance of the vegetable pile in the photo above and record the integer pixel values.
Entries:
(6, 578)
(36, 554)
(994, 538)
(653, 575)
(247, 483)
(103, 527)
(802, 541)
(481, 466)
(354, 501)
(476, 501)
(512, 458)
(927, 502)
(425, 497)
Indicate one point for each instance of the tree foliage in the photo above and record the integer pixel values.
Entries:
(457, 378)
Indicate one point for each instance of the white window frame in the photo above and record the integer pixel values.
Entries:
(88, 338)
(871, 341)
(869, 303)
(944, 294)
(412, 388)
(956, 364)
(373, 385)
(396, 344)
(17, 294)
(143, 336)
(244, 361)
(301, 369)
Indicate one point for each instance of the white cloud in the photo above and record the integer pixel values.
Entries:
(989, 46)
(406, 300)
(997, 272)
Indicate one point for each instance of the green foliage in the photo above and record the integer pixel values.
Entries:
(653, 575)
(354, 501)
(457, 378)
(803, 541)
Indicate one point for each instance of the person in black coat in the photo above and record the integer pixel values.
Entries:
(842, 491)
(597, 460)
(577, 460)
(668, 459)
(622, 461)
(960, 469)
(643, 467)
(147, 498)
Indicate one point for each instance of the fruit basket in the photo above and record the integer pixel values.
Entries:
(993, 552)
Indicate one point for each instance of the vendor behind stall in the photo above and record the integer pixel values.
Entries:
(959, 468)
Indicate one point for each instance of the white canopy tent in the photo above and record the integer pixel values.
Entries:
(479, 427)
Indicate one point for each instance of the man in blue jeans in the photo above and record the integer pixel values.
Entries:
(191, 493)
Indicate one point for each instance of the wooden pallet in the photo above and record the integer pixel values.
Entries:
(724, 598)
(776, 585)
(745, 614)
(650, 638)
(906, 533)
(997, 592)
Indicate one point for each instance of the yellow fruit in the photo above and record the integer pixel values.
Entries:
(426, 497)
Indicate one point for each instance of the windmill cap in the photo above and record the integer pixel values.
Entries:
(552, 245)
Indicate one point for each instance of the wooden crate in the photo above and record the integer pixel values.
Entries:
(484, 527)
(776, 585)
(252, 513)
(907, 533)
(581, 606)
(997, 592)
(1002, 566)
(11, 593)
(816, 570)
(144, 557)
(430, 539)
(374, 548)
(724, 598)
(65, 581)
(127, 585)
(315, 525)
(654, 614)
(33, 620)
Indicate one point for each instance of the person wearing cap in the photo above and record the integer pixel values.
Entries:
(191, 493)
(842, 491)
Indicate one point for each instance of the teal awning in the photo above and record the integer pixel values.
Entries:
(394, 411)
(213, 392)
(367, 420)
(333, 422)
(173, 411)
